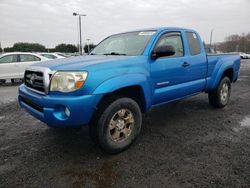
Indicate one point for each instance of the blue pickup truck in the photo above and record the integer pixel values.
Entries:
(125, 75)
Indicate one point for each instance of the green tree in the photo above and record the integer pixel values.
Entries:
(68, 48)
(8, 49)
(28, 47)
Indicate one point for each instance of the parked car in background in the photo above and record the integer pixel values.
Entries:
(69, 54)
(62, 54)
(13, 65)
(244, 55)
(52, 55)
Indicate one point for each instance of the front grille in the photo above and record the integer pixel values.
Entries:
(34, 80)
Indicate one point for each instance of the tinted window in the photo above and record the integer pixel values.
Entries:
(174, 40)
(49, 56)
(8, 59)
(193, 43)
(27, 57)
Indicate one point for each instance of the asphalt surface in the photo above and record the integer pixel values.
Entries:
(8, 94)
(183, 144)
(9, 91)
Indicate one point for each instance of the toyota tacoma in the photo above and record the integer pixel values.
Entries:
(124, 76)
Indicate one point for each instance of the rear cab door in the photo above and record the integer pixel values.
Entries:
(197, 60)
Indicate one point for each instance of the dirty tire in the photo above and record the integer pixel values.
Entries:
(109, 121)
(2, 81)
(219, 98)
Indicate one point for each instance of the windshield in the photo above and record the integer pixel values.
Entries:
(131, 44)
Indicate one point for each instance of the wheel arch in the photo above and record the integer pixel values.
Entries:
(226, 69)
(135, 86)
(134, 92)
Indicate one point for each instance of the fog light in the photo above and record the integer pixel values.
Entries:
(67, 112)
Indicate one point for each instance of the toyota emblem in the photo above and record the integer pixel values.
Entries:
(32, 78)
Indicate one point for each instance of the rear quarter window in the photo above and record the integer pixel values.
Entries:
(193, 43)
(28, 57)
(49, 56)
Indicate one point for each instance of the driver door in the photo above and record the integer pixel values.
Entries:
(170, 73)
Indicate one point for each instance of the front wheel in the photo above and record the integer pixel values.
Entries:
(12, 81)
(117, 124)
(219, 98)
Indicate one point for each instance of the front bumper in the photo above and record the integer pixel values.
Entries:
(51, 109)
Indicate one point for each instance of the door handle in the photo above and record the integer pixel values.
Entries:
(185, 64)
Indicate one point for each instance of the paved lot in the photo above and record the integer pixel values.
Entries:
(8, 91)
(184, 144)
(8, 94)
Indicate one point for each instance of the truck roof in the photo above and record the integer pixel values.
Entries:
(159, 29)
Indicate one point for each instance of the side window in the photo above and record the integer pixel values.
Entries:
(49, 56)
(27, 57)
(174, 40)
(193, 43)
(8, 59)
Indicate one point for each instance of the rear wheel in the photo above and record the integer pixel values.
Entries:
(219, 98)
(2, 81)
(116, 124)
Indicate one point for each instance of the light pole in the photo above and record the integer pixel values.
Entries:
(80, 29)
(211, 38)
(88, 45)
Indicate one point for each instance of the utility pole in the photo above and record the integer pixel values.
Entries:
(88, 45)
(211, 38)
(80, 30)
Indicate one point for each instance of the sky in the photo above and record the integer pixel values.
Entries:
(50, 22)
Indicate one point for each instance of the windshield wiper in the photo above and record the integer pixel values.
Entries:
(114, 53)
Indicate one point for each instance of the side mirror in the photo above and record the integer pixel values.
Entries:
(163, 51)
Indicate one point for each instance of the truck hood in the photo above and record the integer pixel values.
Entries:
(80, 62)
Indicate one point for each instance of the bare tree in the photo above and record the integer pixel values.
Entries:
(236, 43)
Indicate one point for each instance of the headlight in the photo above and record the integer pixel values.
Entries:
(67, 81)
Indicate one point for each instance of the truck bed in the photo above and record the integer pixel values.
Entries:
(219, 61)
